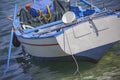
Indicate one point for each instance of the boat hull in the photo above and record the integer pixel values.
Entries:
(88, 40)
(47, 47)
(90, 35)
(92, 55)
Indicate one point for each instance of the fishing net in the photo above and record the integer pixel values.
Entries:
(60, 7)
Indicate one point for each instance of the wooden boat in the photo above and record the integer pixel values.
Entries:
(88, 36)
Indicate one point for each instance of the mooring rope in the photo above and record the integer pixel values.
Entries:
(75, 60)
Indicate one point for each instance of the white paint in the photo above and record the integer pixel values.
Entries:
(73, 42)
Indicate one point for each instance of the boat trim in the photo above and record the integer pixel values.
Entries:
(54, 44)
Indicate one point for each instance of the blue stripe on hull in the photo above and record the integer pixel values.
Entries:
(92, 55)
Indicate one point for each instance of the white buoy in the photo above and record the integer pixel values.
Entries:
(68, 17)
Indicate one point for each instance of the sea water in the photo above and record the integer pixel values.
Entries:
(21, 68)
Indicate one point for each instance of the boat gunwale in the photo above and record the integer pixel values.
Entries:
(84, 19)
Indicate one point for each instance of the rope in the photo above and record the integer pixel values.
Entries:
(49, 13)
(76, 63)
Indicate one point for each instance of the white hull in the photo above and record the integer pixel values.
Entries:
(47, 47)
(83, 37)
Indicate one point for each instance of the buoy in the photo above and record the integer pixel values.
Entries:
(69, 17)
(28, 6)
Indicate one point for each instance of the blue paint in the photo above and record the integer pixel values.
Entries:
(34, 12)
(10, 44)
(46, 35)
(9, 52)
(43, 26)
(15, 12)
(89, 4)
(77, 10)
(118, 14)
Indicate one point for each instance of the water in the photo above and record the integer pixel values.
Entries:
(108, 68)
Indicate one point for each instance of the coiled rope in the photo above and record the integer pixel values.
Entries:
(43, 15)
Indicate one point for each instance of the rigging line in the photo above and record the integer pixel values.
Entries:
(77, 66)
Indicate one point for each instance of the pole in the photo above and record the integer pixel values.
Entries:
(10, 43)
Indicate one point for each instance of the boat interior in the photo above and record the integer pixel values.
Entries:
(60, 7)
